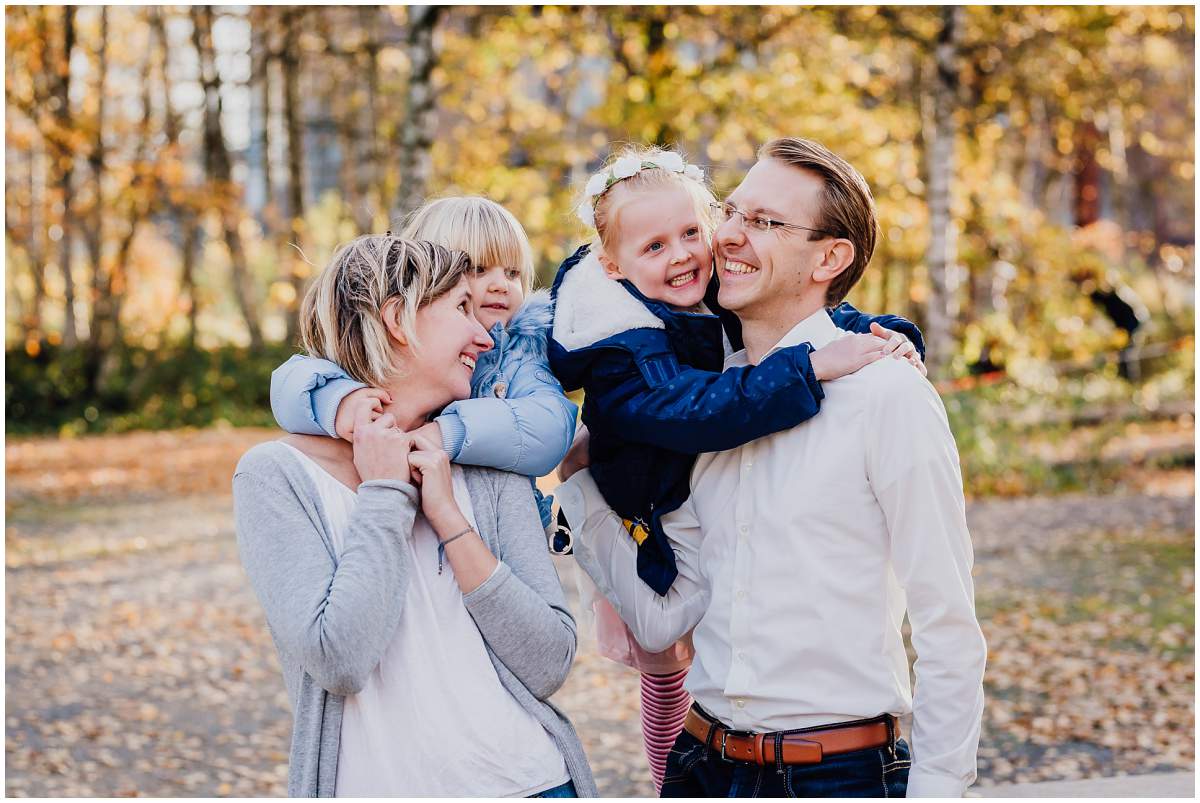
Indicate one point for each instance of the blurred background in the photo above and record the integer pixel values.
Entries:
(176, 175)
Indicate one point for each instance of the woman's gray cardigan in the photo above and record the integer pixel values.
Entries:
(331, 620)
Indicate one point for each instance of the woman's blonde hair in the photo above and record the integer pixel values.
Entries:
(608, 204)
(485, 230)
(341, 318)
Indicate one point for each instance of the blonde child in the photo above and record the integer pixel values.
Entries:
(517, 418)
(634, 325)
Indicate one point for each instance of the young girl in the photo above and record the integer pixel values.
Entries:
(517, 418)
(631, 327)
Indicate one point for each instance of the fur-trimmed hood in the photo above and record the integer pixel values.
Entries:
(594, 315)
(589, 306)
(523, 339)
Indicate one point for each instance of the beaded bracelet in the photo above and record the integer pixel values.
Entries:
(442, 545)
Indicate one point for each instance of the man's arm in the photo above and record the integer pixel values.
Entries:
(606, 552)
(914, 471)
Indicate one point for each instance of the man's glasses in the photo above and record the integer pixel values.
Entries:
(759, 222)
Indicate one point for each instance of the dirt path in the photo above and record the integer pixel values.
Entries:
(138, 662)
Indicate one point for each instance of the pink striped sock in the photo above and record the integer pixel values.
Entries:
(664, 705)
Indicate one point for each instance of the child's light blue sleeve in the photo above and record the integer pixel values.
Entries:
(527, 432)
(306, 392)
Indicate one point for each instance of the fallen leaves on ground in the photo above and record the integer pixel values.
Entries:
(138, 661)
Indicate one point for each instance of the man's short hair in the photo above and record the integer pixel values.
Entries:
(847, 207)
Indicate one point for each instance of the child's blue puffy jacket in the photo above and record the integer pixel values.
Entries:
(517, 418)
(656, 395)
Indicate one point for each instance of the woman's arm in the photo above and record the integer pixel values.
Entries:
(306, 392)
(527, 432)
(337, 619)
(520, 609)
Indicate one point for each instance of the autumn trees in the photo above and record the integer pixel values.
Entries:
(174, 174)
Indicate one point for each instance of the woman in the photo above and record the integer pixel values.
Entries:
(419, 622)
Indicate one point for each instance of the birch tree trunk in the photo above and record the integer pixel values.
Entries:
(182, 213)
(416, 134)
(187, 280)
(30, 230)
(260, 72)
(94, 236)
(64, 171)
(289, 60)
(217, 166)
(370, 169)
(940, 161)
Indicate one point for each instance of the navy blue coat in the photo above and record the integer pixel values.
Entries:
(656, 395)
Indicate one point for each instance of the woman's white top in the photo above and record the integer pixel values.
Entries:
(433, 719)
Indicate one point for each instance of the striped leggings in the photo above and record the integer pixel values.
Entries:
(664, 705)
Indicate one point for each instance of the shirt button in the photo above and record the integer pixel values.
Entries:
(741, 594)
(743, 528)
(740, 703)
(741, 656)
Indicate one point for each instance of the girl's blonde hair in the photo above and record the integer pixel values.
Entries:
(608, 204)
(485, 230)
(341, 318)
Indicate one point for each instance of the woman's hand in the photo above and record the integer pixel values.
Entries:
(380, 449)
(430, 466)
(577, 456)
(467, 555)
(369, 399)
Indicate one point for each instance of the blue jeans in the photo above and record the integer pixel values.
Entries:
(693, 770)
(566, 790)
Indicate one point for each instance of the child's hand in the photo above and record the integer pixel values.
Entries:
(430, 467)
(380, 449)
(431, 432)
(577, 456)
(846, 355)
(899, 347)
(370, 400)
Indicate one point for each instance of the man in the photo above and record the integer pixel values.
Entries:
(799, 553)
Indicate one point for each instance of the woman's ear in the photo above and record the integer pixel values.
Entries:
(611, 269)
(391, 319)
(837, 257)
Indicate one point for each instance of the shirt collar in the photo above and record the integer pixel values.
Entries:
(817, 329)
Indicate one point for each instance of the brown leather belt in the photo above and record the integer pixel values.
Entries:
(796, 747)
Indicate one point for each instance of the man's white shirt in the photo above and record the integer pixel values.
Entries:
(797, 556)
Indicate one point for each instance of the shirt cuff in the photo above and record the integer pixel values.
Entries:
(571, 502)
(578, 499)
(923, 784)
(326, 403)
(485, 589)
(454, 432)
(810, 376)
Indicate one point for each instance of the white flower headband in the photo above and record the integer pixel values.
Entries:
(624, 168)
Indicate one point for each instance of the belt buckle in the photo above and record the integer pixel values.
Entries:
(725, 733)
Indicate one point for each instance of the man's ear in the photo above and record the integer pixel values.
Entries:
(611, 269)
(391, 319)
(838, 256)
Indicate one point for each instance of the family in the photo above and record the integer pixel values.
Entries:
(763, 486)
